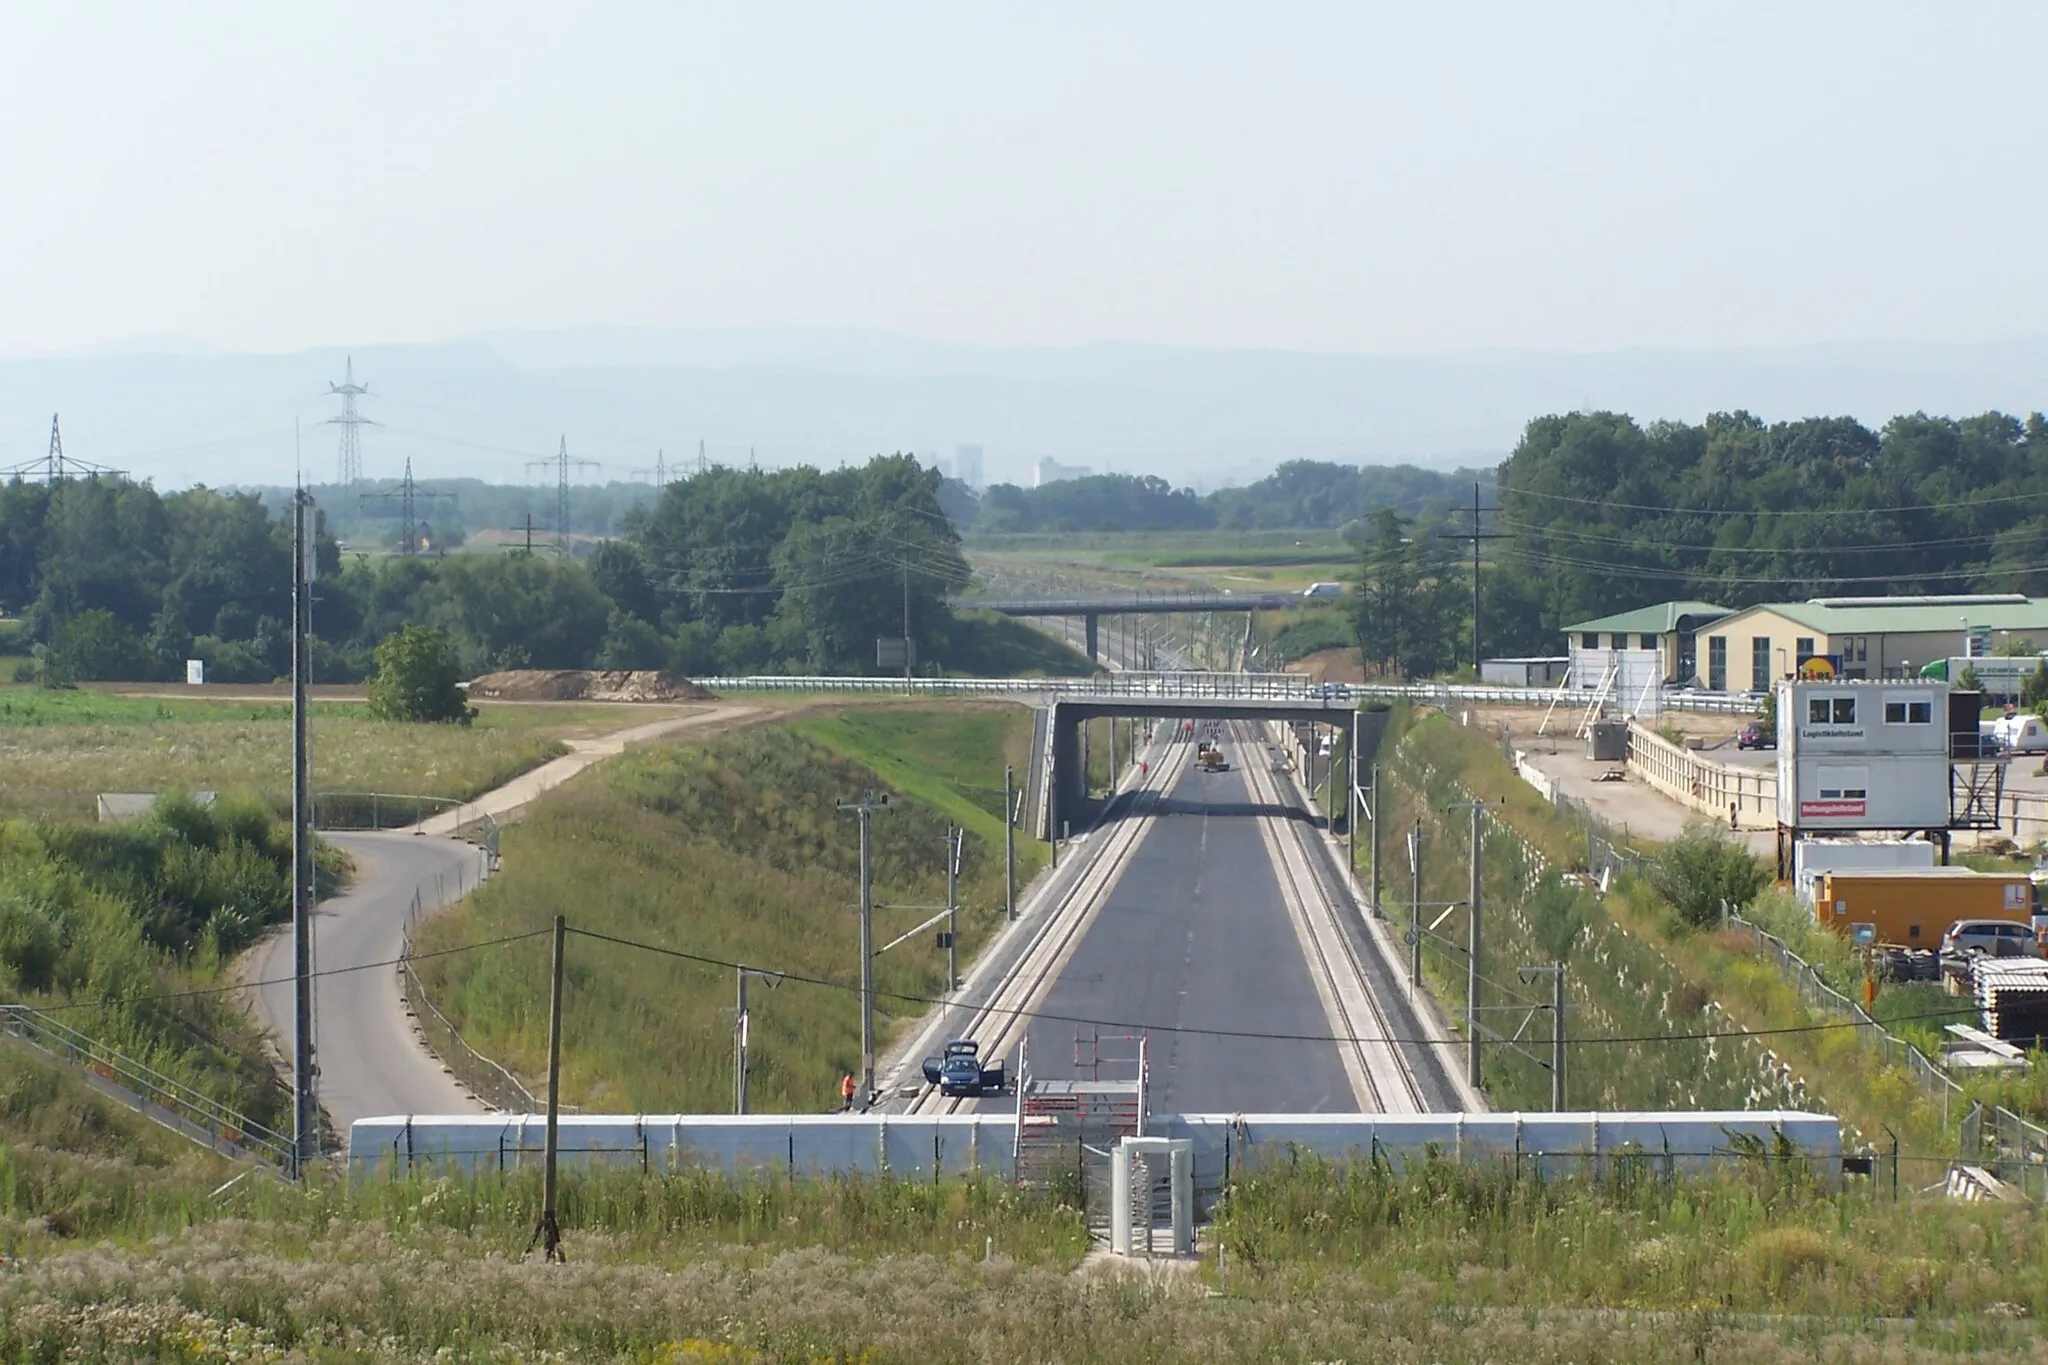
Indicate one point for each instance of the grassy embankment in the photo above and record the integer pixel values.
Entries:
(984, 644)
(733, 850)
(126, 932)
(59, 748)
(1636, 972)
(119, 1248)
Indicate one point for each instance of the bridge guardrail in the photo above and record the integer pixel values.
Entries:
(1198, 685)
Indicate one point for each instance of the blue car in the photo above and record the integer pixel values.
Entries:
(958, 1071)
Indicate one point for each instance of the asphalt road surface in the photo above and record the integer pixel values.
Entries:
(1196, 933)
(370, 1062)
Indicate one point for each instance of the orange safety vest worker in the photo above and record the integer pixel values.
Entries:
(846, 1090)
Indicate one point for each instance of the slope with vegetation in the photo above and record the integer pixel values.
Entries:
(733, 851)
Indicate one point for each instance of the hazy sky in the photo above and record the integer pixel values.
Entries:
(1344, 176)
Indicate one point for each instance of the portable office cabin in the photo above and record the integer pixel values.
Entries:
(1913, 908)
(1813, 857)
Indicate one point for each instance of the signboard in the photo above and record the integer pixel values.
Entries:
(893, 651)
(1820, 667)
(1837, 808)
(195, 672)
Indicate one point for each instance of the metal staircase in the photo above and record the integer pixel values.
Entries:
(160, 1098)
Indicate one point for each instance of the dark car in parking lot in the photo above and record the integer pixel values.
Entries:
(1756, 736)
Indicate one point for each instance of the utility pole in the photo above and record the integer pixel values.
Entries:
(864, 809)
(1415, 908)
(906, 625)
(1009, 841)
(1375, 809)
(1472, 983)
(954, 836)
(1555, 971)
(1475, 535)
(562, 463)
(550, 1231)
(741, 1069)
(305, 1104)
(351, 462)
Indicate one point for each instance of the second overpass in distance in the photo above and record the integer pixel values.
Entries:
(1092, 608)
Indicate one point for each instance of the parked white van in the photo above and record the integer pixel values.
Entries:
(1323, 590)
(2020, 734)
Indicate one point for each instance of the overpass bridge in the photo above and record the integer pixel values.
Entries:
(1092, 609)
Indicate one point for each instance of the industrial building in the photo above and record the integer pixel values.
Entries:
(1670, 629)
(1863, 637)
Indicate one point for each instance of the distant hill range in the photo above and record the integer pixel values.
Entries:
(484, 407)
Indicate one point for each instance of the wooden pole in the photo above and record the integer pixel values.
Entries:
(550, 1231)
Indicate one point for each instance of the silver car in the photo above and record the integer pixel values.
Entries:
(1991, 937)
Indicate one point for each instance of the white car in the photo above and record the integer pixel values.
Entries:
(1323, 590)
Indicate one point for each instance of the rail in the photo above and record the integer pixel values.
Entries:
(196, 1113)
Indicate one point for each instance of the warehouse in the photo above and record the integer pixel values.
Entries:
(1864, 637)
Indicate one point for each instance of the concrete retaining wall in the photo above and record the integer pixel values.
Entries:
(1701, 783)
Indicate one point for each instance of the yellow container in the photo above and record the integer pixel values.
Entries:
(1914, 907)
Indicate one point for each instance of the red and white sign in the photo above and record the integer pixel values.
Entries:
(1837, 809)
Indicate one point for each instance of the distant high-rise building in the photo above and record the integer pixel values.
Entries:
(967, 465)
(1052, 471)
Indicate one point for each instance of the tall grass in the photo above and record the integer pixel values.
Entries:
(733, 851)
(106, 924)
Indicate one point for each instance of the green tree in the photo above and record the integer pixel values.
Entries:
(1701, 869)
(416, 679)
(94, 646)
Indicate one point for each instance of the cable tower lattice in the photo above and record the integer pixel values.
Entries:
(562, 462)
(408, 495)
(351, 462)
(55, 466)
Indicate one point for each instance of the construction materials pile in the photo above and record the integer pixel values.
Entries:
(2013, 993)
(586, 684)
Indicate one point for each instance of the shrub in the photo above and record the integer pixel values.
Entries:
(1701, 869)
(94, 646)
(417, 679)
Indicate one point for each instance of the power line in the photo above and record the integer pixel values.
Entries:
(1660, 572)
(1509, 490)
(562, 462)
(1252, 1034)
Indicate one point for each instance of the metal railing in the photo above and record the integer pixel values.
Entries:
(489, 1080)
(195, 1113)
(1815, 993)
(2009, 1147)
(1197, 684)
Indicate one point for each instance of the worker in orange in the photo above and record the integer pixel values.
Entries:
(846, 1089)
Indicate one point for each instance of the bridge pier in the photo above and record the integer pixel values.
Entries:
(1092, 624)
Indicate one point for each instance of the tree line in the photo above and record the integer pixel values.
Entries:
(731, 571)
(1598, 513)
(1299, 495)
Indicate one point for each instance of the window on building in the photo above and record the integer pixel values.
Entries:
(1816, 710)
(1908, 711)
(1760, 663)
(1859, 648)
(1802, 648)
(1844, 784)
(1717, 663)
(1589, 639)
(1646, 642)
(1844, 710)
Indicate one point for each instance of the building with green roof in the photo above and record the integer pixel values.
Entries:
(1670, 628)
(1871, 637)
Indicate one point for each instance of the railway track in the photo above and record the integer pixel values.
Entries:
(1380, 1074)
(1000, 1024)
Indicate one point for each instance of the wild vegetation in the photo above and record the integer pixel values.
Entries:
(125, 930)
(119, 1248)
(733, 851)
(1638, 970)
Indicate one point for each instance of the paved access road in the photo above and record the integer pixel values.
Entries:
(370, 1061)
(1195, 933)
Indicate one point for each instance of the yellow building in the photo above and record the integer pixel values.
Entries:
(1869, 637)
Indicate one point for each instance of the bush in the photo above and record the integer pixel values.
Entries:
(94, 646)
(417, 679)
(1700, 870)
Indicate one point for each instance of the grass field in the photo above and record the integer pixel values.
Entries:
(734, 851)
(121, 1247)
(59, 749)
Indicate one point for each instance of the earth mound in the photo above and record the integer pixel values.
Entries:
(586, 684)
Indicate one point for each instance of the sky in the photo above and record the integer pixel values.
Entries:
(1342, 176)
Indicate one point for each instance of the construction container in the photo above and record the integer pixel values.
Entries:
(1812, 857)
(1609, 741)
(1914, 907)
